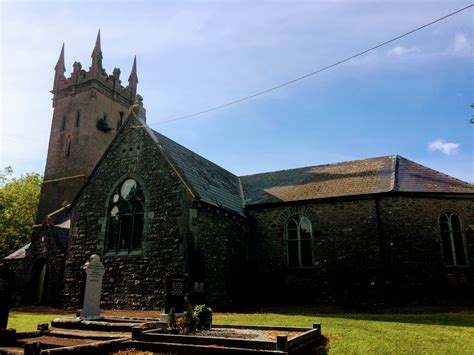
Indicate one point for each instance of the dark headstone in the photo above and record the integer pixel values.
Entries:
(6, 284)
(175, 292)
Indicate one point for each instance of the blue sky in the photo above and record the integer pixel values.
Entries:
(410, 98)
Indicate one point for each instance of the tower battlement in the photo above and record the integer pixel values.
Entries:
(82, 80)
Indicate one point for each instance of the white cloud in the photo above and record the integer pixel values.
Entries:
(399, 51)
(461, 43)
(443, 146)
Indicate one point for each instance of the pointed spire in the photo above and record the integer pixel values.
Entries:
(60, 66)
(133, 74)
(133, 78)
(96, 55)
(97, 49)
(59, 69)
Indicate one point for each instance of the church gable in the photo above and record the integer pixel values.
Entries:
(135, 186)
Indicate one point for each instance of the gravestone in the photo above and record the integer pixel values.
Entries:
(6, 284)
(175, 292)
(94, 273)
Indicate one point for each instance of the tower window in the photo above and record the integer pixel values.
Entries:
(452, 239)
(78, 118)
(63, 124)
(67, 150)
(125, 217)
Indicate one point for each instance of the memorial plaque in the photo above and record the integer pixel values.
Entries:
(175, 292)
(94, 273)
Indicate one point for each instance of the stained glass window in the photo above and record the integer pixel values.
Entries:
(125, 217)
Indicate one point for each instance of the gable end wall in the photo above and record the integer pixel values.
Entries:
(134, 280)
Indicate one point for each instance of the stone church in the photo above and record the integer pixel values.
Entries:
(383, 230)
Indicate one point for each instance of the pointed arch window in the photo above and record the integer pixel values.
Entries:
(125, 219)
(299, 242)
(452, 239)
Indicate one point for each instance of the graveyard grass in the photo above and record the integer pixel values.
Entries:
(428, 333)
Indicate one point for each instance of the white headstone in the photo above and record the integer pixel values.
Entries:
(94, 274)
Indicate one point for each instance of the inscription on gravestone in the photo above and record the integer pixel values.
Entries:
(94, 274)
(175, 292)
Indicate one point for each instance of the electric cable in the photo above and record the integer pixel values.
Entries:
(315, 71)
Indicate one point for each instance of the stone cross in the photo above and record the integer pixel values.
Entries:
(94, 274)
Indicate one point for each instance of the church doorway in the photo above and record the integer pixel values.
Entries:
(39, 282)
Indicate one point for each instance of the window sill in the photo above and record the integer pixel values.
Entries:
(123, 253)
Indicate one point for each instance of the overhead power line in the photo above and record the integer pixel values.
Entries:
(316, 71)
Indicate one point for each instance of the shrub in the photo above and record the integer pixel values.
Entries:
(204, 316)
(172, 318)
(103, 125)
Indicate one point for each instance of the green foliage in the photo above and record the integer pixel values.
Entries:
(103, 125)
(18, 203)
(190, 318)
(172, 318)
(204, 316)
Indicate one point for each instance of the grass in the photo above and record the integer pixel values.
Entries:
(27, 321)
(363, 333)
(428, 333)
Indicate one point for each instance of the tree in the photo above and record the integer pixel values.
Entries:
(472, 117)
(19, 199)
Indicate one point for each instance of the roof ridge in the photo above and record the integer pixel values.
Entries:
(318, 166)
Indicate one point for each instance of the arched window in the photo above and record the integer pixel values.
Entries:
(125, 218)
(298, 237)
(452, 239)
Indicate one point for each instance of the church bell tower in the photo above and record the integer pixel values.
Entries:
(89, 108)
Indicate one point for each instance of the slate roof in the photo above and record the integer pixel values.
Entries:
(351, 178)
(217, 186)
(211, 183)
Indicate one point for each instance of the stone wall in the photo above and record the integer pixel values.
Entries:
(345, 250)
(134, 280)
(365, 251)
(87, 142)
(45, 249)
(218, 254)
(414, 268)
